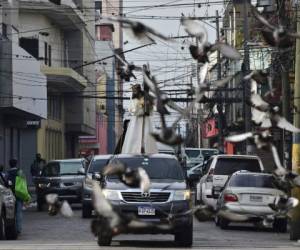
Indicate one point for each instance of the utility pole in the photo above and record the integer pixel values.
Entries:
(295, 221)
(286, 89)
(245, 70)
(219, 76)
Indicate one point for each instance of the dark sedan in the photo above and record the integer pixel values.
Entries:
(62, 177)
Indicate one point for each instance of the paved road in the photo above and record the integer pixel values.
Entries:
(46, 233)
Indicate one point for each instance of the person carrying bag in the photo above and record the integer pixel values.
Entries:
(21, 190)
(18, 185)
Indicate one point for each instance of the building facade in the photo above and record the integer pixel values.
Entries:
(109, 105)
(50, 44)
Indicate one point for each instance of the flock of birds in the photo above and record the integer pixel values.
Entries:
(265, 115)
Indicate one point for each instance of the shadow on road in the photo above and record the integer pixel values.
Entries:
(147, 244)
(249, 228)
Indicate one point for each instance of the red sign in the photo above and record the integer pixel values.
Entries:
(209, 128)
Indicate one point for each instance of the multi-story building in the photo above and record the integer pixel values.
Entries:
(56, 39)
(109, 106)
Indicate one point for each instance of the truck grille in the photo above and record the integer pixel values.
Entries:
(137, 197)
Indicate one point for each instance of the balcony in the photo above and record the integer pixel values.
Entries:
(64, 79)
(66, 15)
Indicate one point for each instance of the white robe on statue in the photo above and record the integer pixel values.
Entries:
(135, 137)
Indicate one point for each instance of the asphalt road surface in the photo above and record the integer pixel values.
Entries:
(43, 232)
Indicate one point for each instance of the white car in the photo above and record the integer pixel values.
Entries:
(249, 195)
(217, 169)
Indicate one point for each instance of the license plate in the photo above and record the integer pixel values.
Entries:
(256, 198)
(146, 211)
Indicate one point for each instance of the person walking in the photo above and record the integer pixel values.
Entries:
(3, 176)
(37, 166)
(12, 173)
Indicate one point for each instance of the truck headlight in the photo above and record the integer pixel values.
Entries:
(44, 185)
(111, 194)
(181, 195)
(88, 183)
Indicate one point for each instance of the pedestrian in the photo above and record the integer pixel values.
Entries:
(13, 172)
(3, 176)
(37, 166)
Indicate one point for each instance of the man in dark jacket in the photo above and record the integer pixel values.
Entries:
(37, 165)
(12, 173)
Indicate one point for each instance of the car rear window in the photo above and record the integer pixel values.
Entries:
(247, 180)
(227, 166)
(156, 168)
(193, 153)
(207, 153)
(98, 165)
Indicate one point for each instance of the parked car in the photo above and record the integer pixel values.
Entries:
(168, 194)
(217, 170)
(249, 194)
(194, 174)
(8, 229)
(193, 157)
(196, 170)
(96, 166)
(62, 177)
(197, 156)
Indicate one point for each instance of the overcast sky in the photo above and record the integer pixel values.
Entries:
(167, 60)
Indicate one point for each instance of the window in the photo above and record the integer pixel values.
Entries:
(98, 165)
(31, 45)
(4, 30)
(227, 166)
(49, 55)
(104, 32)
(98, 8)
(69, 168)
(193, 153)
(247, 180)
(54, 107)
(46, 53)
(156, 168)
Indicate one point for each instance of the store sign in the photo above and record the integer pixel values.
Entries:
(33, 124)
(210, 128)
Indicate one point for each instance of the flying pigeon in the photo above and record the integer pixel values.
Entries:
(276, 36)
(201, 51)
(127, 73)
(139, 30)
(131, 177)
(283, 205)
(56, 206)
(268, 116)
(114, 222)
(195, 28)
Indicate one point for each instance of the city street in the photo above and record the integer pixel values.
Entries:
(44, 232)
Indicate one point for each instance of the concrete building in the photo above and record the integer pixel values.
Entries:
(51, 41)
(23, 100)
(109, 110)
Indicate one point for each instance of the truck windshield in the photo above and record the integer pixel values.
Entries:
(227, 166)
(62, 168)
(98, 165)
(156, 168)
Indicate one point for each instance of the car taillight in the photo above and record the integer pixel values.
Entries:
(230, 198)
